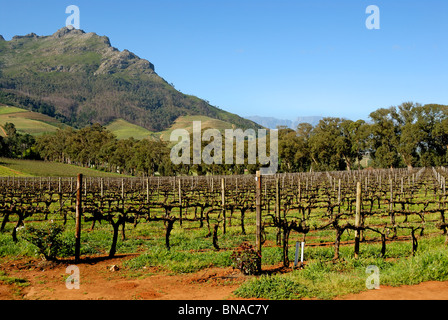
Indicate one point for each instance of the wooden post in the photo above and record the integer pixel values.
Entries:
(60, 194)
(277, 210)
(180, 201)
(223, 204)
(391, 203)
(78, 218)
(147, 190)
(391, 208)
(339, 192)
(258, 216)
(444, 188)
(357, 218)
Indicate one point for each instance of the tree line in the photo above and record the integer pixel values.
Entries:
(408, 135)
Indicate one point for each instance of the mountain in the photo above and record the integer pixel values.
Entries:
(272, 123)
(79, 79)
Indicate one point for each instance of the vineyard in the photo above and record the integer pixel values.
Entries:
(186, 224)
(319, 209)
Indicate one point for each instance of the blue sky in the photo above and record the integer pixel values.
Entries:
(282, 58)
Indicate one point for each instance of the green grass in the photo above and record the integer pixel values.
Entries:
(28, 122)
(190, 252)
(324, 279)
(186, 122)
(7, 172)
(13, 280)
(179, 261)
(30, 126)
(124, 130)
(10, 167)
(7, 110)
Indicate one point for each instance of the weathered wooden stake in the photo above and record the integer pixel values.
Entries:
(78, 218)
(357, 217)
(180, 201)
(258, 217)
(339, 192)
(277, 210)
(147, 190)
(223, 204)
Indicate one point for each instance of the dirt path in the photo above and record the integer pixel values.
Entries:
(4, 132)
(98, 282)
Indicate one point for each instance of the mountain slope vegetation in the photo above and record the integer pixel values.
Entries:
(80, 79)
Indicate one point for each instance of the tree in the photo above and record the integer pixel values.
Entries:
(54, 146)
(383, 138)
(3, 147)
(432, 124)
(327, 145)
(288, 145)
(352, 143)
(148, 155)
(302, 156)
(121, 156)
(17, 145)
(407, 133)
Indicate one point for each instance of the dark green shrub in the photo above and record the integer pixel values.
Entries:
(47, 238)
(246, 258)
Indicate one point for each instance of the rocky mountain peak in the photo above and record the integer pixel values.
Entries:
(67, 31)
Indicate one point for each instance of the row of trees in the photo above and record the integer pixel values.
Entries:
(407, 135)
(96, 147)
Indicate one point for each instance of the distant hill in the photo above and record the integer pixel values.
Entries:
(187, 124)
(25, 121)
(78, 78)
(124, 130)
(272, 123)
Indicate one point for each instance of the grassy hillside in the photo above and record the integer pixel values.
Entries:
(7, 172)
(186, 122)
(124, 130)
(25, 121)
(29, 168)
(36, 124)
